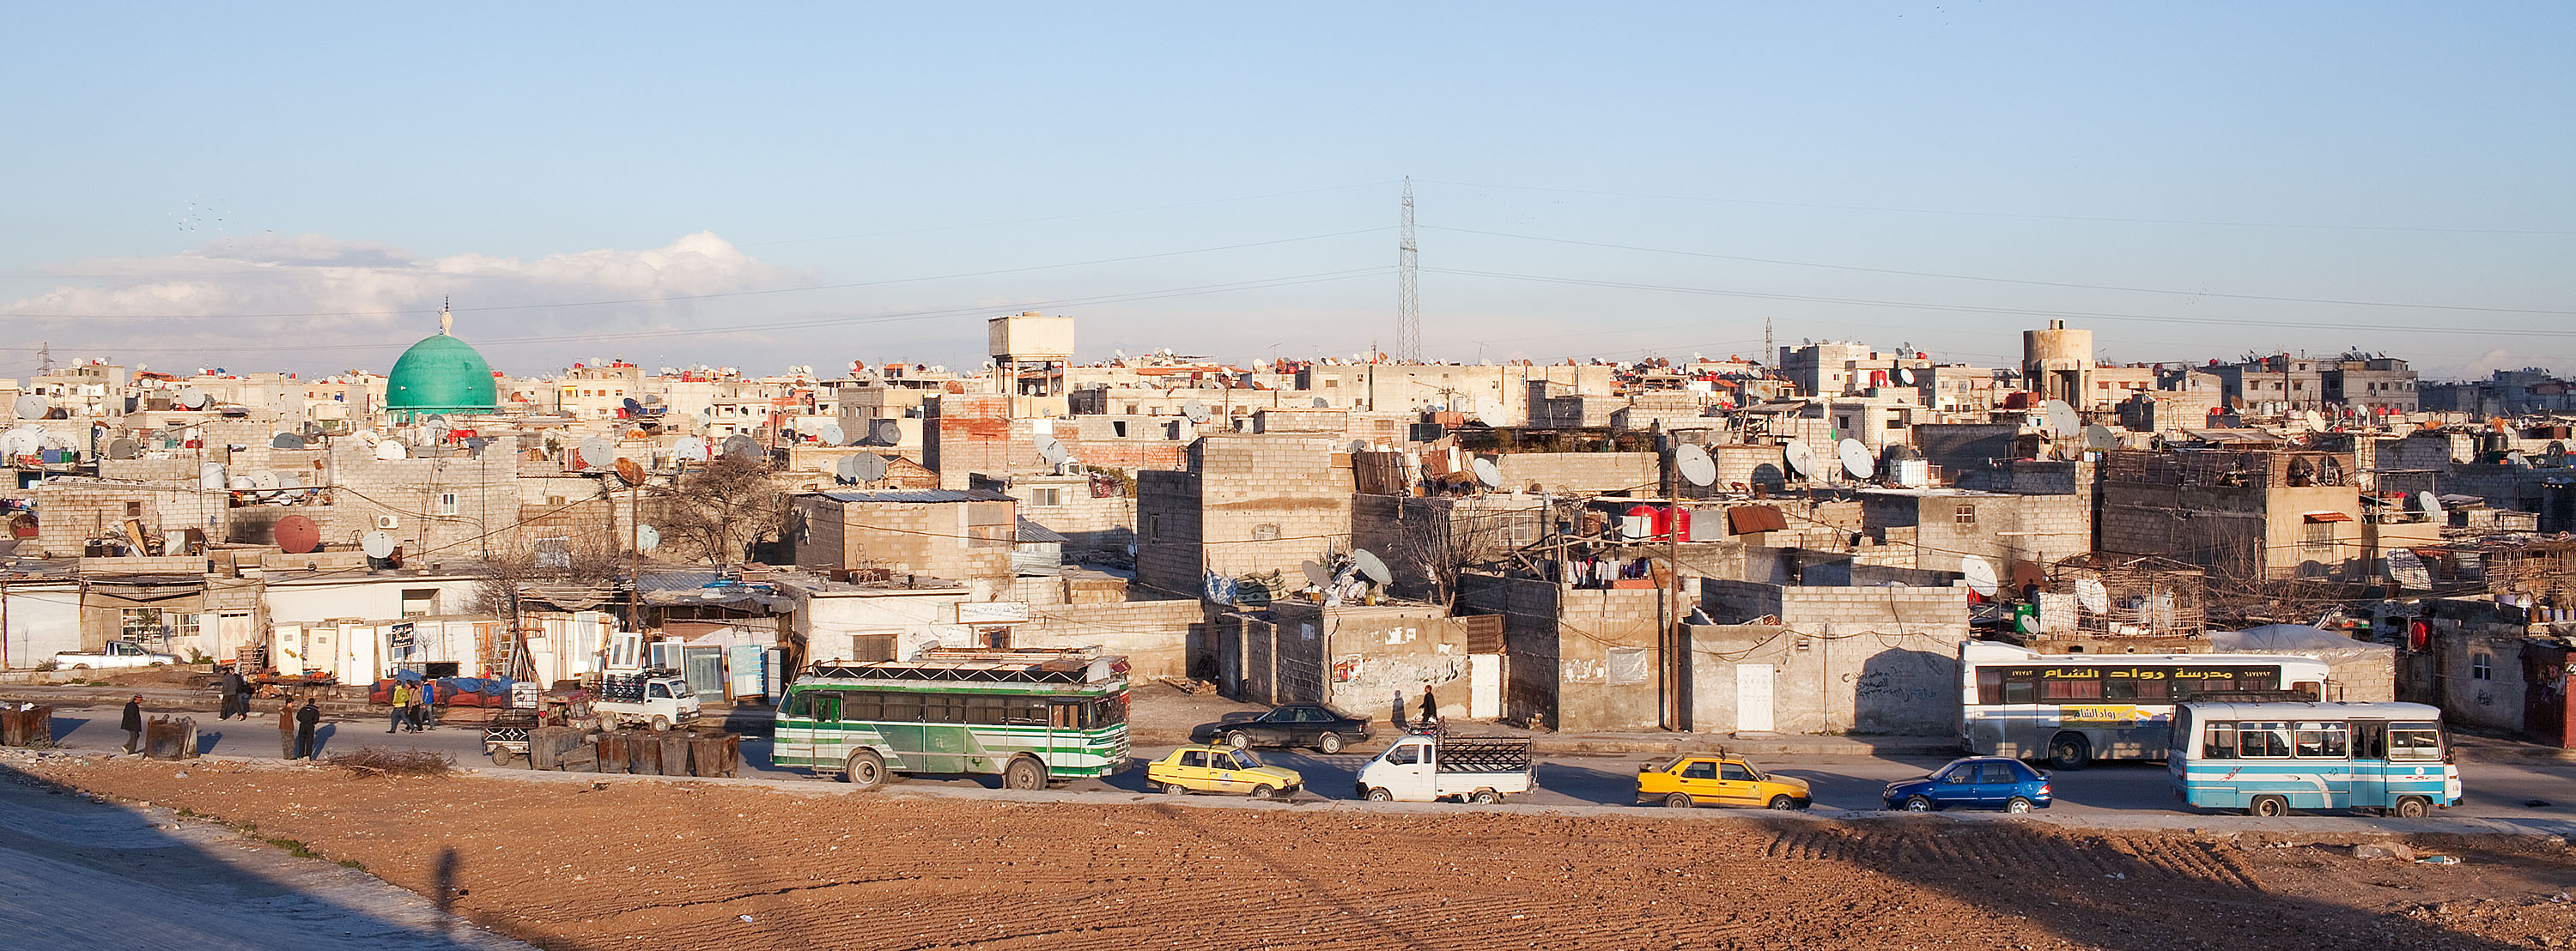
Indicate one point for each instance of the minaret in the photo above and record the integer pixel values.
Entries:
(446, 320)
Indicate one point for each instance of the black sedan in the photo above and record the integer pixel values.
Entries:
(1294, 724)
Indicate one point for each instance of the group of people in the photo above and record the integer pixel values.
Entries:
(295, 725)
(409, 708)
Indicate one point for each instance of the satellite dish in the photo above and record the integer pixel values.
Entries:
(1981, 575)
(706, 416)
(1052, 450)
(391, 449)
(1904, 377)
(629, 472)
(1694, 465)
(887, 432)
(240, 483)
(210, 477)
(311, 430)
(867, 467)
(2090, 595)
(475, 444)
(377, 545)
(1316, 572)
(741, 446)
(1489, 410)
(2316, 421)
(122, 448)
(2517, 460)
(693, 450)
(1800, 459)
(1322, 403)
(265, 481)
(1856, 458)
(2432, 507)
(2061, 418)
(191, 398)
(830, 435)
(2556, 453)
(32, 406)
(296, 535)
(434, 421)
(286, 441)
(1371, 568)
(2100, 437)
(647, 538)
(597, 453)
(1487, 473)
(633, 408)
(846, 468)
(1196, 410)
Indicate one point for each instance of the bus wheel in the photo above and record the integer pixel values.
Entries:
(1024, 774)
(864, 770)
(2413, 807)
(2070, 751)
(2268, 807)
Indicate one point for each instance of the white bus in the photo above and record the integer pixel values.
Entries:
(2072, 709)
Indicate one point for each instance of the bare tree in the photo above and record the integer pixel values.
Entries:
(1435, 539)
(723, 510)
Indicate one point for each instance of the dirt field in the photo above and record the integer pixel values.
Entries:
(609, 864)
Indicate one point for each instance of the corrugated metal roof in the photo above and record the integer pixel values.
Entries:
(1032, 533)
(920, 495)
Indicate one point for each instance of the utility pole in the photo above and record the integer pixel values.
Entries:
(1408, 277)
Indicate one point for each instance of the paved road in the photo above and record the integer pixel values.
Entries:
(2493, 790)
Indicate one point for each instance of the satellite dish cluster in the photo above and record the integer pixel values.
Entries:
(1346, 578)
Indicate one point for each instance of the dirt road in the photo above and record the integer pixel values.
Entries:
(608, 864)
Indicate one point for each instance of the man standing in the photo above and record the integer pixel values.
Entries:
(1430, 707)
(134, 724)
(286, 729)
(1399, 710)
(305, 718)
(400, 699)
(239, 687)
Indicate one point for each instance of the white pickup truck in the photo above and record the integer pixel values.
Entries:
(658, 701)
(1428, 768)
(115, 654)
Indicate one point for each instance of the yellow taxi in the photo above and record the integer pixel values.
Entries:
(1220, 769)
(1717, 779)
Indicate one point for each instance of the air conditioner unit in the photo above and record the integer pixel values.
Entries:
(388, 521)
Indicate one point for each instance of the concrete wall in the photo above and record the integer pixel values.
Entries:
(1572, 654)
(1153, 635)
(1580, 472)
(1372, 656)
(1855, 682)
(43, 619)
(1169, 558)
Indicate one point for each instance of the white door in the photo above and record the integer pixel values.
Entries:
(1484, 686)
(1753, 698)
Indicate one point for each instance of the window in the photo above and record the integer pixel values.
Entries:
(2262, 740)
(1405, 755)
(1046, 498)
(2481, 666)
(1118, 428)
(2221, 743)
(1700, 770)
(1735, 773)
(2316, 538)
(447, 503)
(155, 624)
(419, 602)
(870, 648)
(2318, 740)
(943, 708)
(1965, 514)
(1196, 758)
(2070, 689)
(133, 510)
(2414, 741)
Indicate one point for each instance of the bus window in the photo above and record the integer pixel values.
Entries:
(1025, 711)
(2308, 689)
(2259, 678)
(798, 702)
(943, 708)
(861, 706)
(1065, 716)
(2262, 740)
(2318, 740)
(900, 707)
(2370, 740)
(2221, 743)
(2070, 689)
(1106, 712)
(824, 706)
(2017, 690)
(2414, 741)
(1990, 685)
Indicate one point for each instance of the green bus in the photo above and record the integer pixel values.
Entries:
(1032, 716)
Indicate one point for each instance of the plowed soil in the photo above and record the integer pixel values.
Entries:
(612, 864)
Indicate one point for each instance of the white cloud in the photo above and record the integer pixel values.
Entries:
(314, 291)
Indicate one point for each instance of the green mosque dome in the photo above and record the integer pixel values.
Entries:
(440, 374)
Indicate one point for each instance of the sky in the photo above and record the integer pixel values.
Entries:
(298, 187)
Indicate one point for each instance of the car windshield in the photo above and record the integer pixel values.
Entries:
(1247, 759)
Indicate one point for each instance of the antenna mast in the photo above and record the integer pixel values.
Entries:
(1408, 274)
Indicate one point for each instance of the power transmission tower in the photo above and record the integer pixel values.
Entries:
(1408, 276)
(45, 351)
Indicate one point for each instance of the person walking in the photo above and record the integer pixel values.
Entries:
(398, 702)
(421, 711)
(286, 729)
(133, 724)
(1399, 711)
(1430, 707)
(306, 717)
(229, 687)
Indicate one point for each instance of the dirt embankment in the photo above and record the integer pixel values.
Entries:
(609, 864)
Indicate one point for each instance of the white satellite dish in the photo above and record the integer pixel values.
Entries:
(1322, 403)
(597, 453)
(1856, 458)
(122, 448)
(391, 449)
(692, 450)
(239, 483)
(2517, 460)
(1316, 573)
(1904, 377)
(1196, 411)
(2432, 507)
(1372, 568)
(1981, 575)
(1052, 450)
(647, 538)
(867, 467)
(210, 477)
(2061, 418)
(264, 481)
(830, 435)
(742, 446)
(1489, 411)
(286, 441)
(32, 406)
(2091, 596)
(2100, 437)
(191, 398)
(847, 468)
(886, 432)
(1694, 465)
(376, 545)
(2316, 421)
(1800, 459)
(1487, 473)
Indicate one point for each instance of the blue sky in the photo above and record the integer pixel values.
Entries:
(296, 187)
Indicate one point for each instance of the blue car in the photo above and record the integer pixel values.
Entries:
(1986, 782)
